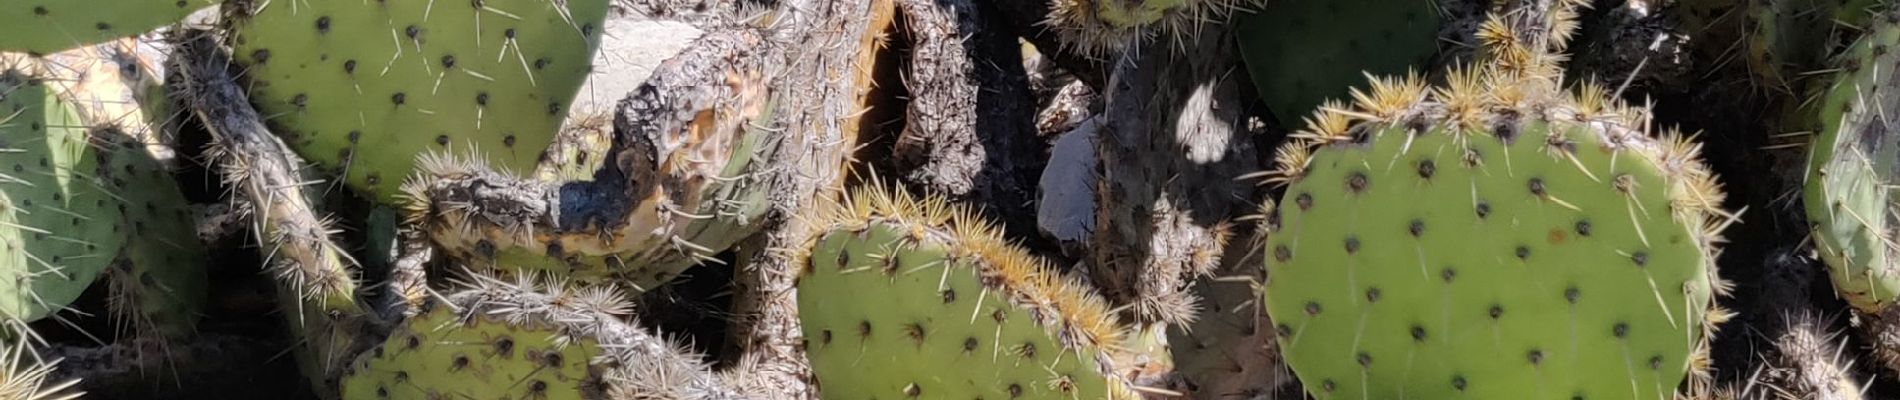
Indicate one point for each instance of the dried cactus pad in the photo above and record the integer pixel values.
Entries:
(363, 88)
(1544, 248)
(442, 354)
(1853, 171)
(908, 299)
(49, 26)
(58, 227)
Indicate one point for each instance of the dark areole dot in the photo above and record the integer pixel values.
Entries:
(1621, 330)
(1416, 228)
(1427, 168)
(1418, 333)
(1372, 295)
(1537, 186)
(1352, 244)
(323, 24)
(1484, 209)
(1523, 252)
(1641, 258)
(1304, 200)
(1312, 308)
(1496, 311)
(1356, 182)
(1583, 228)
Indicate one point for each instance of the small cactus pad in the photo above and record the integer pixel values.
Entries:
(1495, 238)
(444, 354)
(906, 298)
(363, 88)
(49, 26)
(528, 339)
(1853, 171)
(58, 227)
(1301, 52)
(159, 280)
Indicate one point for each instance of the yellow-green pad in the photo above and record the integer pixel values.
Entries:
(889, 317)
(1302, 52)
(1853, 171)
(50, 26)
(364, 87)
(58, 229)
(441, 355)
(1401, 271)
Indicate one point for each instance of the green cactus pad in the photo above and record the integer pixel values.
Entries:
(58, 228)
(162, 266)
(49, 26)
(908, 299)
(1301, 52)
(363, 88)
(441, 354)
(1449, 249)
(1853, 168)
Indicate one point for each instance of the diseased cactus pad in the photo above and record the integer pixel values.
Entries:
(1462, 248)
(907, 299)
(48, 26)
(1853, 172)
(364, 87)
(441, 354)
(58, 228)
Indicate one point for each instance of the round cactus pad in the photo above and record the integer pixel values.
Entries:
(1526, 260)
(363, 88)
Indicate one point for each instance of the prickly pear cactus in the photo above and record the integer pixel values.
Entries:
(910, 298)
(364, 88)
(48, 26)
(443, 353)
(526, 339)
(1301, 52)
(1493, 238)
(87, 200)
(1853, 169)
(59, 226)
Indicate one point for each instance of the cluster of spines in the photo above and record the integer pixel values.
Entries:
(23, 376)
(1075, 316)
(1100, 27)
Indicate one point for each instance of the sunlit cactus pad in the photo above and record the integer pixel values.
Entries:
(906, 298)
(362, 88)
(1492, 239)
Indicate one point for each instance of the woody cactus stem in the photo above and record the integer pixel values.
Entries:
(312, 271)
(256, 163)
(969, 127)
(841, 37)
(680, 182)
(1173, 145)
